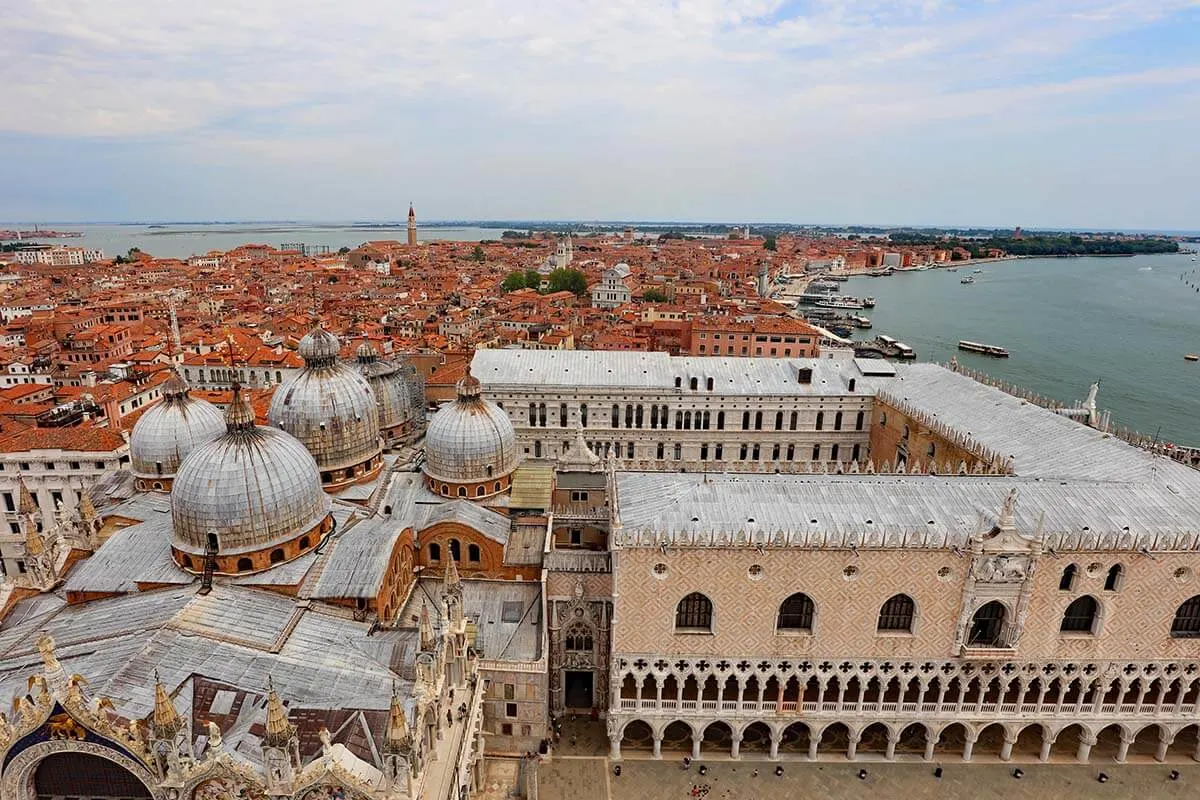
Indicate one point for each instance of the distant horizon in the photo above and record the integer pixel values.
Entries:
(501, 224)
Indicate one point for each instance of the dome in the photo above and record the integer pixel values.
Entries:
(170, 430)
(318, 346)
(470, 441)
(255, 488)
(391, 390)
(331, 409)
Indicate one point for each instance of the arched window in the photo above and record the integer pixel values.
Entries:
(276, 555)
(1187, 619)
(244, 565)
(435, 552)
(987, 625)
(1112, 583)
(578, 639)
(897, 614)
(1067, 582)
(778, 420)
(858, 421)
(820, 420)
(796, 613)
(694, 612)
(462, 491)
(304, 542)
(473, 553)
(455, 550)
(1080, 616)
(720, 420)
(692, 384)
(479, 490)
(745, 420)
(837, 421)
(187, 562)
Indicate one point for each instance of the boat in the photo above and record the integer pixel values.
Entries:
(952, 269)
(869, 302)
(967, 279)
(840, 302)
(1191, 357)
(985, 349)
(978, 272)
(861, 322)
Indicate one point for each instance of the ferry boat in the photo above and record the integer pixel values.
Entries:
(967, 279)
(840, 302)
(869, 302)
(861, 322)
(978, 272)
(985, 349)
(1191, 357)
(895, 349)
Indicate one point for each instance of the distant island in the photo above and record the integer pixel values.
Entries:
(1044, 244)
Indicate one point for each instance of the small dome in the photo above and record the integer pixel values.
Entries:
(391, 389)
(171, 429)
(253, 487)
(331, 409)
(318, 347)
(471, 440)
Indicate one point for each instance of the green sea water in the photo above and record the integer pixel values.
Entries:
(1067, 322)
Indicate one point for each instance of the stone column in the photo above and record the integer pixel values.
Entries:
(893, 740)
(813, 741)
(775, 739)
(930, 743)
(658, 745)
(1047, 743)
(735, 747)
(614, 742)
(1006, 749)
(970, 745)
(1164, 742)
(1086, 743)
(696, 746)
(1196, 752)
(1123, 749)
(852, 750)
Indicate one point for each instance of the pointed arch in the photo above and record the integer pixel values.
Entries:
(897, 614)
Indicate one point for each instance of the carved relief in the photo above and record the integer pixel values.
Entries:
(227, 788)
(1002, 569)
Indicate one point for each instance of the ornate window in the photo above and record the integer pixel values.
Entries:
(796, 613)
(1080, 616)
(1187, 619)
(435, 552)
(1067, 582)
(578, 639)
(897, 614)
(987, 625)
(1112, 583)
(694, 612)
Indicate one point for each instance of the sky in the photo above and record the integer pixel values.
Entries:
(1039, 113)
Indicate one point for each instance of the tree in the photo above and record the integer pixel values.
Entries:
(477, 255)
(512, 282)
(654, 296)
(568, 280)
(769, 242)
(343, 250)
(533, 279)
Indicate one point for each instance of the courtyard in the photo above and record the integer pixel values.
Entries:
(591, 778)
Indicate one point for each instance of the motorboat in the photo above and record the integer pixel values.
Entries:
(985, 349)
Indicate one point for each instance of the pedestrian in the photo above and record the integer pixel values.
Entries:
(687, 763)
(755, 773)
(449, 717)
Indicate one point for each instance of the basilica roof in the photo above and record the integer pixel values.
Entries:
(171, 429)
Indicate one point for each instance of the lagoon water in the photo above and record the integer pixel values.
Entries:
(183, 240)
(1067, 322)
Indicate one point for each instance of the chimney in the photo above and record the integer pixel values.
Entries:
(804, 375)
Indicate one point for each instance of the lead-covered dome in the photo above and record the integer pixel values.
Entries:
(253, 493)
(470, 445)
(169, 431)
(331, 409)
(392, 394)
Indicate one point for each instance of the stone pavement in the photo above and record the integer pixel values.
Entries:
(581, 778)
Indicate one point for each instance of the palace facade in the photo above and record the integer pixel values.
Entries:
(770, 558)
